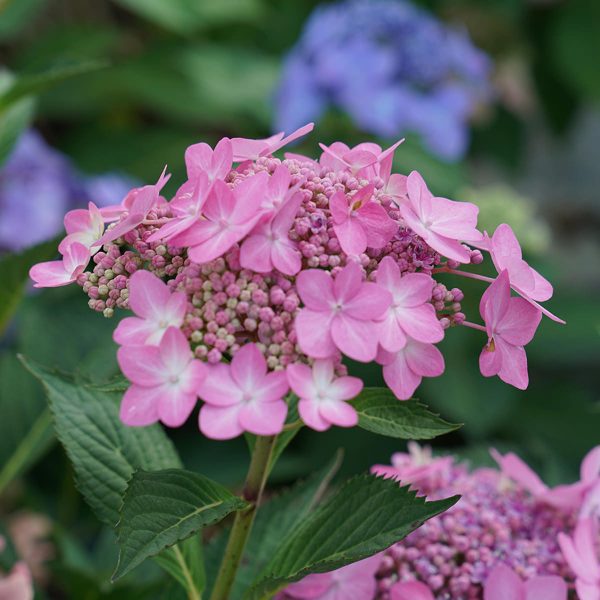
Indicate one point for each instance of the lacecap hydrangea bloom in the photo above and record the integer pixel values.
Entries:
(510, 537)
(392, 67)
(38, 185)
(260, 275)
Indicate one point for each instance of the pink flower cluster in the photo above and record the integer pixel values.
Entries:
(510, 537)
(261, 274)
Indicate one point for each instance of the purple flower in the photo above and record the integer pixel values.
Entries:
(392, 67)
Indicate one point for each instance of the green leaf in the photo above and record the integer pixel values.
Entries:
(367, 515)
(185, 563)
(15, 14)
(278, 517)
(104, 452)
(187, 16)
(15, 271)
(381, 412)
(28, 85)
(164, 507)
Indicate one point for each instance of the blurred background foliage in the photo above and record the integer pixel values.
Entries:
(125, 86)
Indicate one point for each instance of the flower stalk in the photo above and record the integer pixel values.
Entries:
(256, 479)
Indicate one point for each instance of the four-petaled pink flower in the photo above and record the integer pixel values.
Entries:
(360, 222)
(323, 396)
(442, 223)
(339, 314)
(156, 309)
(228, 216)
(165, 380)
(355, 581)
(404, 370)
(242, 396)
(215, 164)
(83, 226)
(506, 254)
(139, 202)
(580, 496)
(504, 584)
(510, 324)
(269, 247)
(247, 149)
(410, 590)
(411, 313)
(580, 552)
(56, 273)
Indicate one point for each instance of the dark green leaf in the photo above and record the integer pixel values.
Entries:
(381, 412)
(164, 507)
(367, 515)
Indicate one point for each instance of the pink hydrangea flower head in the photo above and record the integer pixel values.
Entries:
(356, 581)
(156, 309)
(269, 247)
(56, 273)
(202, 159)
(417, 467)
(403, 370)
(359, 222)
(411, 313)
(228, 216)
(510, 324)
(246, 149)
(242, 397)
(410, 590)
(142, 201)
(506, 254)
(339, 314)
(581, 553)
(504, 584)
(165, 380)
(323, 396)
(18, 584)
(579, 496)
(83, 226)
(442, 223)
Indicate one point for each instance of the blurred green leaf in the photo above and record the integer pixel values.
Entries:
(16, 14)
(381, 412)
(15, 274)
(367, 515)
(164, 507)
(185, 563)
(187, 16)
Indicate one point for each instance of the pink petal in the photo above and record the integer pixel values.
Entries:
(255, 253)
(490, 361)
(424, 359)
(174, 350)
(215, 246)
(219, 388)
(139, 406)
(300, 379)
(370, 303)
(590, 466)
(542, 287)
(248, 368)
(315, 288)
(248, 197)
(272, 388)
(18, 584)
(263, 418)
(515, 468)
(196, 233)
(175, 405)
(351, 236)
(379, 227)
(587, 591)
(286, 214)
(77, 220)
(412, 289)
(313, 330)
(519, 323)
(421, 323)
(311, 415)
(133, 331)
(278, 187)
(148, 295)
(332, 156)
(220, 423)
(400, 378)
(221, 203)
(345, 388)
(396, 186)
(50, 274)
(311, 587)
(355, 338)
(142, 365)
(338, 204)
(339, 413)
(504, 244)
(503, 584)
(411, 590)
(455, 220)
(495, 302)
(586, 535)
(286, 258)
(301, 131)
(514, 365)
(348, 282)
(391, 335)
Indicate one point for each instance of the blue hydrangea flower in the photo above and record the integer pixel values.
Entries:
(38, 185)
(392, 67)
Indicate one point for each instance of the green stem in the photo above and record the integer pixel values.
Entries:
(242, 525)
